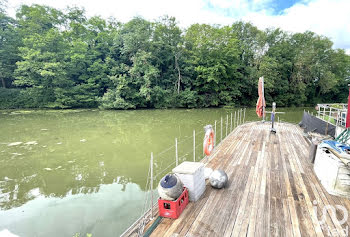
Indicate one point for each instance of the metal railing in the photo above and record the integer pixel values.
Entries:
(236, 118)
(333, 113)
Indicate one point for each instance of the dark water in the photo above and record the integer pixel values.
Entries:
(84, 171)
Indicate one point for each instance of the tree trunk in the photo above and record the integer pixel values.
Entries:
(178, 70)
(3, 82)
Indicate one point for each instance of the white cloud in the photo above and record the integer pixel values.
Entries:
(186, 11)
(327, 17)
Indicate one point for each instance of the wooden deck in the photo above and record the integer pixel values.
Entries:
(272, 190)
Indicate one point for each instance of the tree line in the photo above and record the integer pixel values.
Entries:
(51, 58)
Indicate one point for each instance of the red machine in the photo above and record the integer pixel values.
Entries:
(173, 209)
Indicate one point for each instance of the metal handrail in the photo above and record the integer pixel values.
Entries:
(333, 113)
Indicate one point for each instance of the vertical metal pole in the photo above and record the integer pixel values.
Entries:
(240, 118)
(231, 124)
(244, 115)
(215, 135)
(176, 154)
(151, 185)
(194, 145)
(226, 124)
(234, 121)
(337, 121)
(324, 112)
(319, 111)
(328, 120)
(326, 132)
(221, 129)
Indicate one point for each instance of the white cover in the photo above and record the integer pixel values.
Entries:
(192, 176)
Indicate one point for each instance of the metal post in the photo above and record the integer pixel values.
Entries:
(244, 115)
(151, 185)
(221, 129)
(215, 135)
(240, 118)
(319, 111)
(226, 124)
(326, 132)
(234, 121)
(329, 118)
(324, 112)
(231, 124)
(337, 120)
(194, 145)
(176, 154)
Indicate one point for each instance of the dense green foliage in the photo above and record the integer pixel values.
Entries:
(56, 59)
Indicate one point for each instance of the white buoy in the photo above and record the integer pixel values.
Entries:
(170, 187)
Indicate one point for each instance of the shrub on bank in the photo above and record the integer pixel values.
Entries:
(18, 98)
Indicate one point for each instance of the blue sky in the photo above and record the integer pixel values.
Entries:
(330, 18)
(279, 6)
(275, 7)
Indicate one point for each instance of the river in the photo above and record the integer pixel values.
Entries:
(73, 172)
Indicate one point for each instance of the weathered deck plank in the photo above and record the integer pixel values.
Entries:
(272, 190)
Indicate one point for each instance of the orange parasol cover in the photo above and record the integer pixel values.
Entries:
(260, 104)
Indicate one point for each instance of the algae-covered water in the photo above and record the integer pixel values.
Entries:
(84, 171)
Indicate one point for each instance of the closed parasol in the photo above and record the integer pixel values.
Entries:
(347, 114)
(260, 104)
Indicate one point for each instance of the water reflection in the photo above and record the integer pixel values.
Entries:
(104, 213)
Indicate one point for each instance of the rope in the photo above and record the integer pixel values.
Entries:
(146, 200)
(162, 152)
(165, 169)
(158, 157)
(180, 158)
(182, 141)
(178, 143)
(142, 224)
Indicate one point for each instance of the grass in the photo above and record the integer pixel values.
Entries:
(331, 120)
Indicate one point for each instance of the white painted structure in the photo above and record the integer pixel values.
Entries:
(333, 172)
